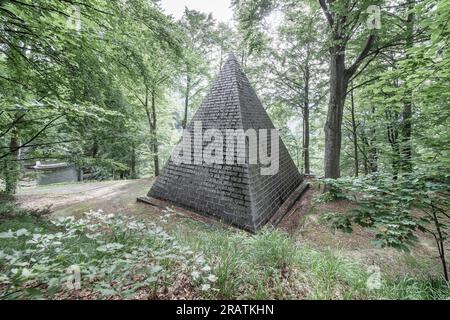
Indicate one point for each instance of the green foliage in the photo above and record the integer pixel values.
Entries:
(337, 220)
(97, 84)
(65, 94)
(336, 189)
(109, 256)
(390, 206)
(123, 257)
(250, 15)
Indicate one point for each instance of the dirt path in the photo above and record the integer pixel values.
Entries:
(76, 198)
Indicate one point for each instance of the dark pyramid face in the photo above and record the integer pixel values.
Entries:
(236, 193)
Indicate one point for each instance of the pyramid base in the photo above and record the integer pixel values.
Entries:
(288, 204)
(274, 220)
(184, 210)
(151, 201)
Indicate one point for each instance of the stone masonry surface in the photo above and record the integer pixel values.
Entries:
(235, 193)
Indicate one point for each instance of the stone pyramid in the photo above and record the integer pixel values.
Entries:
(235, 193)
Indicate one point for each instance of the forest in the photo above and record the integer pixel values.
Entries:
(359, 91)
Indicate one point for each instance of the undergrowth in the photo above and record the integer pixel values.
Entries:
(99, 256)
(105, 256)
(270, 265)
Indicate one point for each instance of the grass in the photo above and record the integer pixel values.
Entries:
(268, 265)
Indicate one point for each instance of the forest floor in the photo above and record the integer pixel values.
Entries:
(165, 252)
(303, 224)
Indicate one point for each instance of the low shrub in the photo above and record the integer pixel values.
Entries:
(100, 255)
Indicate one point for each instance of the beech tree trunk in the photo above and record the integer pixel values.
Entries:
(306, 141)
(333, 134)
(355, 136)
(440, 241)
(151, 117)
(94, 150)
(12, 165)
(392, 134)
(221, 57)
(186, 100)
(371, 151)
(154, 135)
(406, 125)
(366, 166)
(339, 78)
(306, 123)
(133, 161)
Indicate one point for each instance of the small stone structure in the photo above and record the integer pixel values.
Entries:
(235, 193)
(55, 173)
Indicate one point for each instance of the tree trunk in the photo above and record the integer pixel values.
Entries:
(406, 130)
(94, 150)
(373, 151)
(154, 135)
(151, 117)
(406, 126)
(392, 134)
(395, 160)
(339, 78)
(12, 165)
(306, 141)
(370, 153)
(333, 135)
(355, 135)
(440, 242)
(366, 166)
(133, 161)
(221, 57)
(373, 158)
(306, 123)
(243, 57)
(186, 99)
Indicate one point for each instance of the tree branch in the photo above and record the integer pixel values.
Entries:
(32, 138)
(327, 12)
(368, 46)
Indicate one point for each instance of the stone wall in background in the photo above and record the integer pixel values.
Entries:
(57, 175)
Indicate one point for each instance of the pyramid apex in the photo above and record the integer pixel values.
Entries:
(232, 58)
